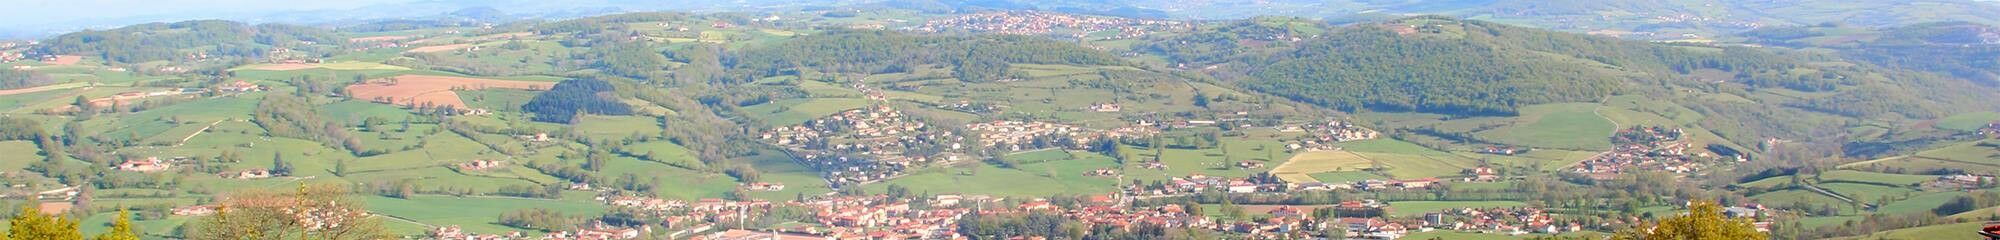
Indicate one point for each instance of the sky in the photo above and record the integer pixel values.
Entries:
(24, 12)
(26, 17)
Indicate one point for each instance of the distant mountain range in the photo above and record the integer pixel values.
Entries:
(1677, 17)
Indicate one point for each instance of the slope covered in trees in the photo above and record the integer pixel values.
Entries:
(576, 96)
(1480, 68)
(1964, 50)
(13, 79)
(168, 41)
(974, 58)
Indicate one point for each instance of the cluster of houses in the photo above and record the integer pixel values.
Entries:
(149, 164)
(839, 217)
(971, 107)
(1197, 183)
(1322, 136)
(10, 57)
(1027, 135)
(371, 43)
(599, 231)
(1104, 107)
(1110, 211)
(882, 217)
(1504, 220)
(257, 173)
(689, 217)
(1644, 149)
(1992, 130)
(866, 144)
(480, 165)
(454, 233)
(1962, 181)
(1504, 150)
(764, 186)
(241, 86)
(1050, 23)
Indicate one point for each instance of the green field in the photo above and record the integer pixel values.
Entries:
(1788, 197)
(1983, 214)
(496, 99)
(149, 229)
(19, 154)
(1971, 121)
(1948, 231)
(1769, 182)
(663, 151)
(1301, 165)
(617, 127)
(477, 214)
(1869, 193)
(1971, 152)
(1539, 159)
(338, 65)
(1408, 160)
(1874, 178)
(794, 111)
(1343, 177)
(1919, 203)
(1976, 156)
(1061, 177)
(1562, 126)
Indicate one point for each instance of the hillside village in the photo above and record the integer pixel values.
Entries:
(850, 123)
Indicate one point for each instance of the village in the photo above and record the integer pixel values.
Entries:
(866, 145)
(1045, 23)
(1647, 149)
(881, 216)
(1322, 136)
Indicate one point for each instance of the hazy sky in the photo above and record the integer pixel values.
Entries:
(33, 12)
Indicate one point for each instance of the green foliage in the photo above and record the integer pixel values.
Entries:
(121, 228)
(1952, 48)
(14, 79)
(576, 96)
(973, 59)
(1704, 220)
(170, 41)
(29, 223)
(1491, 69)
(1378, 69)
(538, 218)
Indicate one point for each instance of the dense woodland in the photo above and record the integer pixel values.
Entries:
(15, 79)
(1480, 68)
(972, 59)
(575, 97)
(186, 41)
(1956, 49)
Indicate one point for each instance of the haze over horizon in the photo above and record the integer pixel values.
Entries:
(43, 18)
(52, 15)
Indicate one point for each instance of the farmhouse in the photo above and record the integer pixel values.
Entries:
(1482, 174)
(765, 186)
(241, 86)
(1992, 130)
(65, 193)
(196, 210)
(1105, 107)
(249, 174)
(481, 164)
(150, 164)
